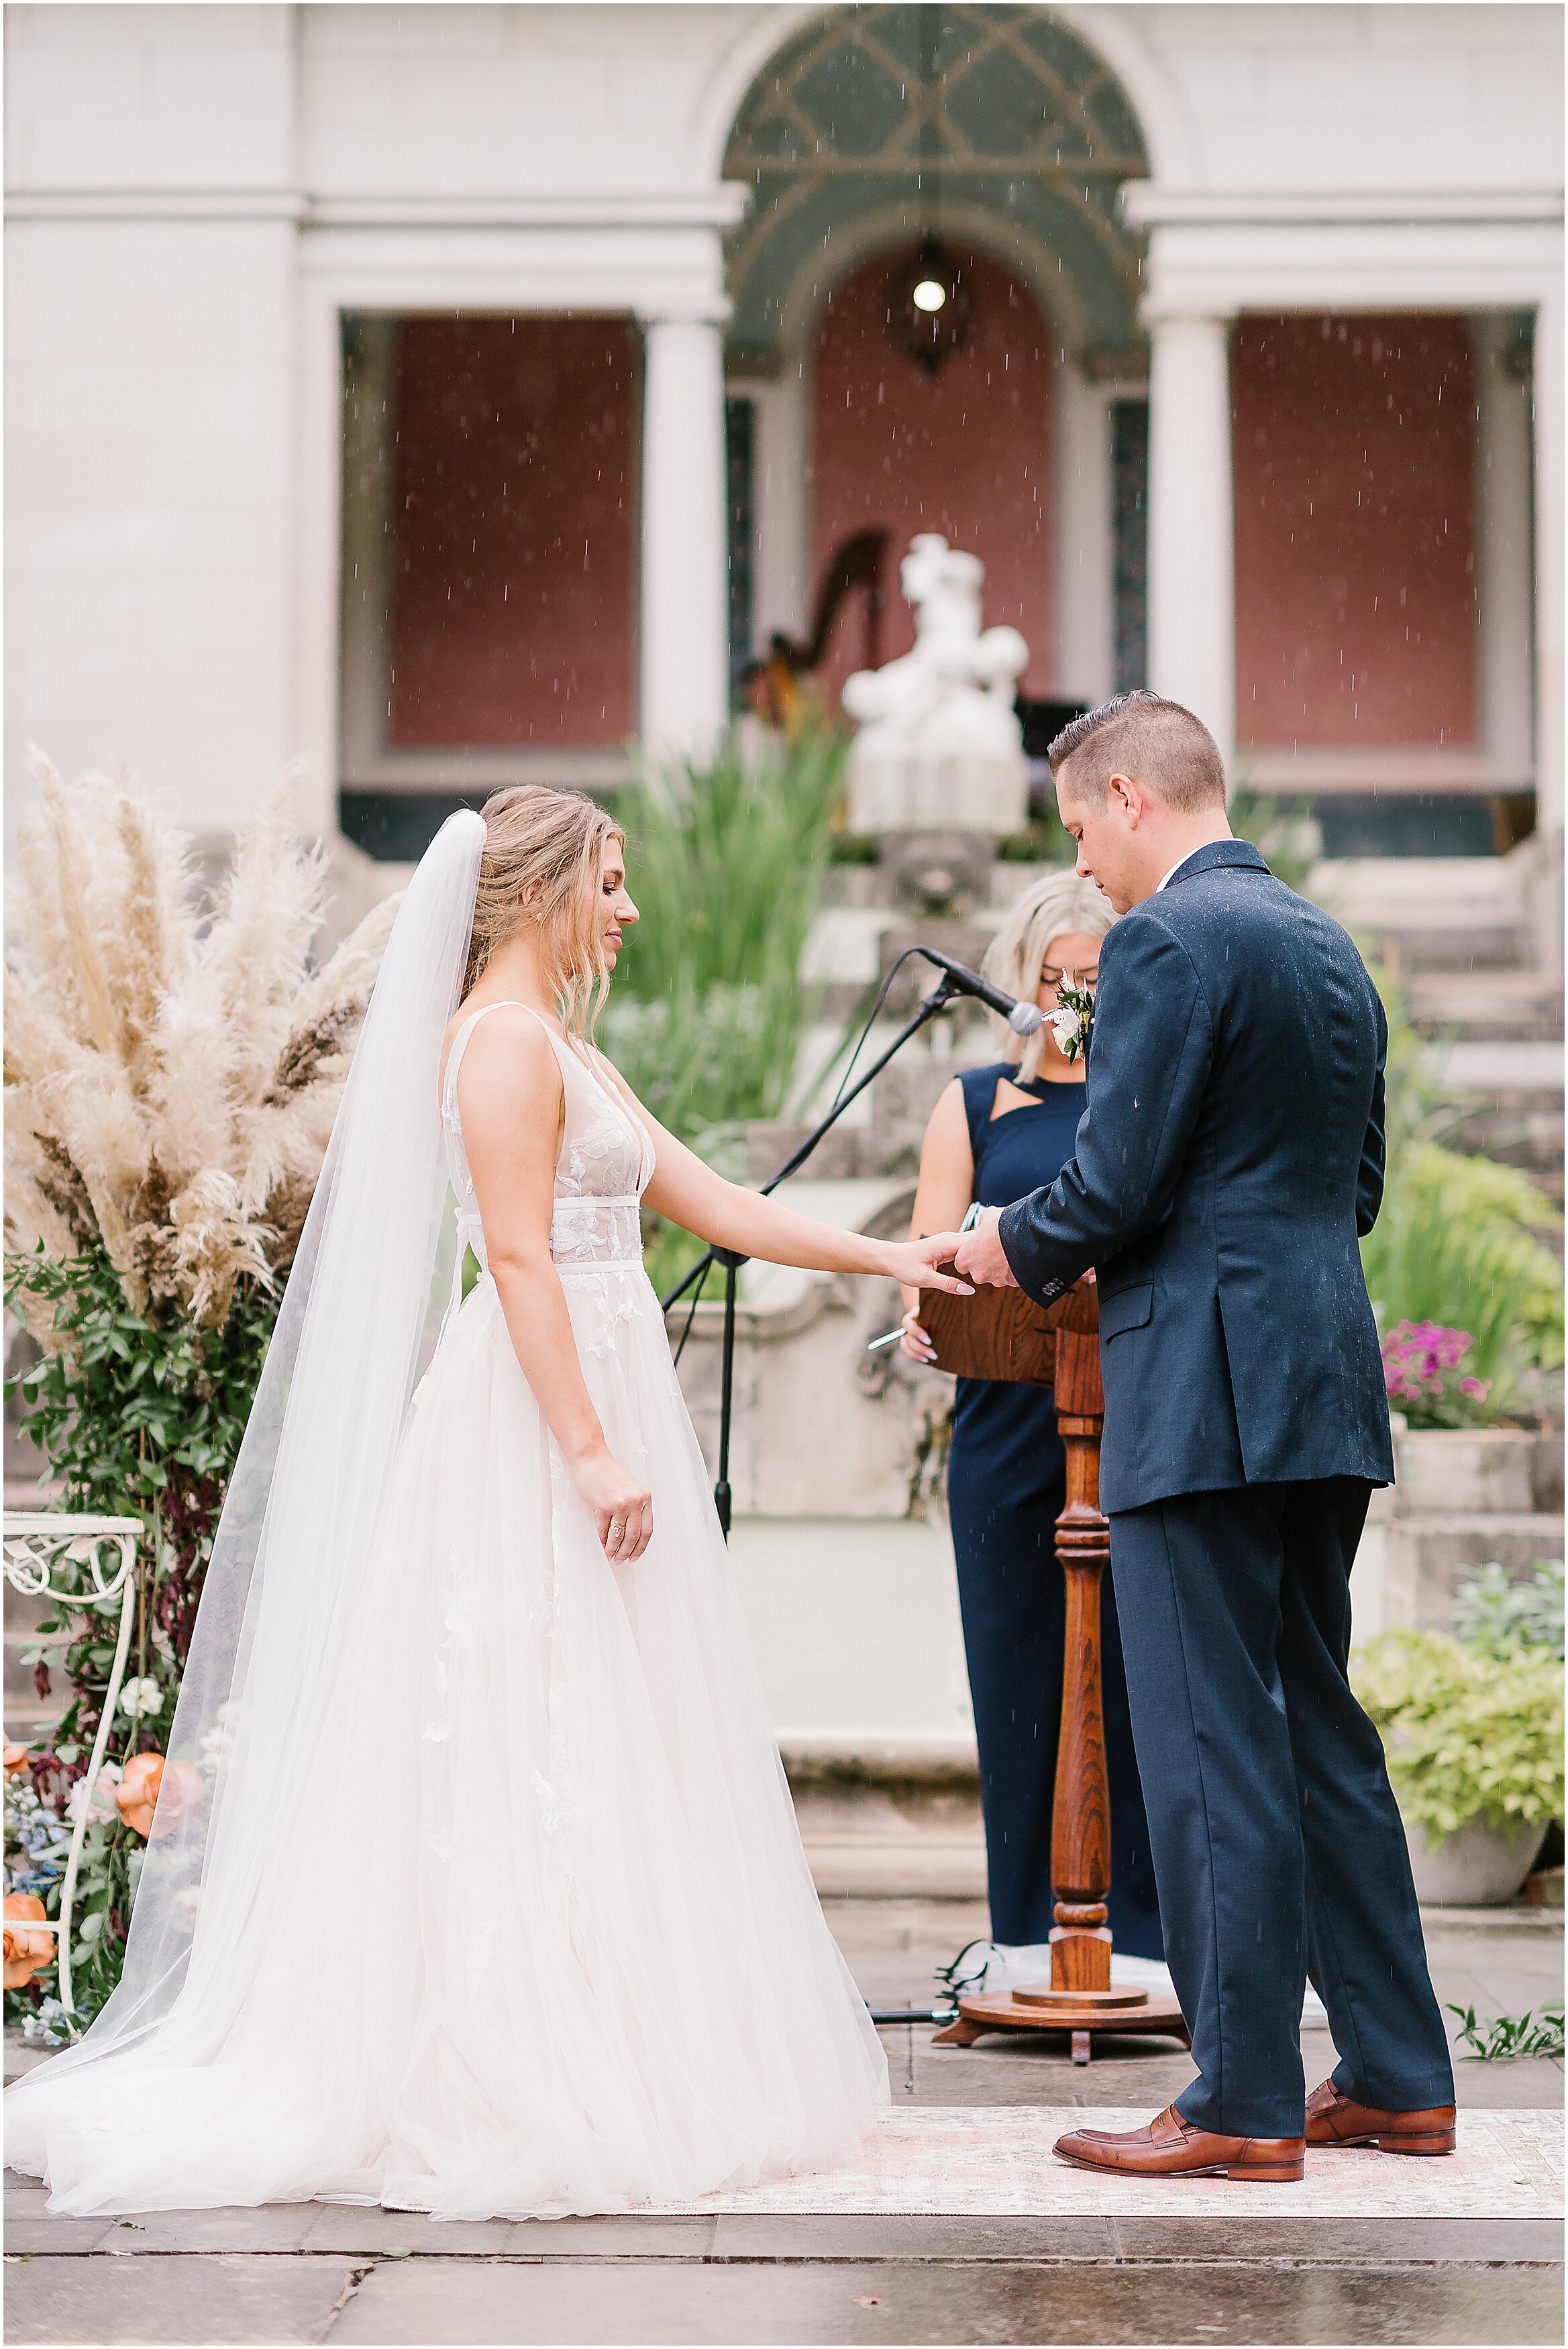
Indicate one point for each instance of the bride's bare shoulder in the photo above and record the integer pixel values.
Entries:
(509, 1048)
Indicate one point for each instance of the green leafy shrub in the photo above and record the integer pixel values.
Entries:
(1469, 1734)
(1496, 1617)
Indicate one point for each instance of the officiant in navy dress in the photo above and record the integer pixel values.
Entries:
(998, 1134)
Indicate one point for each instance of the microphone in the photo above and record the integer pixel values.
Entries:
(1023, 1019)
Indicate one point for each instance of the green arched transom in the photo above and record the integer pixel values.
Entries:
(948, 117)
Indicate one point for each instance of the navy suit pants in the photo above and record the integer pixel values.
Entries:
(1277, 1845)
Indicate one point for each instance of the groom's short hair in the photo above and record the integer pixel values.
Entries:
(1141, 734)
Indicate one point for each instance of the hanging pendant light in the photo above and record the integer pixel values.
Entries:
(928, 305)
(928, 301)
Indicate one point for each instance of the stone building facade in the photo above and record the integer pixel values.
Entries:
(441, 394)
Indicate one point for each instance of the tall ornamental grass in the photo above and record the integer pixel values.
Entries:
(725, 860)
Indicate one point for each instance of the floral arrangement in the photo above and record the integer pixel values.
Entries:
(1424, 1372)
(173, 1066)
(1073, 1019)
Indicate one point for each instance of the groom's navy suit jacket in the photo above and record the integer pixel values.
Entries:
(1230, 1155)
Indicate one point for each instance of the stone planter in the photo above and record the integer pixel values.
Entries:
(1467, 1471)
(1478, 1867)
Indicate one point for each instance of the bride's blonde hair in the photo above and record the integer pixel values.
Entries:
(1053, 909)
(547, 847)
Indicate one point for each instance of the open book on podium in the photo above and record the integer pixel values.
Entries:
(1000, 1333)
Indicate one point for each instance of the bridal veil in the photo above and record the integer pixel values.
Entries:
(241, 1838)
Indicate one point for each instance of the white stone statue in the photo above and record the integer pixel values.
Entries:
(940, 746)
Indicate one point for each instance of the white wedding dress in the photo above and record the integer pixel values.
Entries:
(551, 1944)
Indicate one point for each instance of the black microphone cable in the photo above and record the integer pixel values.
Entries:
(838, 1097)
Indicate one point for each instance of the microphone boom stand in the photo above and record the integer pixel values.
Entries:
(944, 992)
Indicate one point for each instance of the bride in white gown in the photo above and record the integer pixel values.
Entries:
(475, 1886)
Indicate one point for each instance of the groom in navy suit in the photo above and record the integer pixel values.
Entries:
(1230, 1155)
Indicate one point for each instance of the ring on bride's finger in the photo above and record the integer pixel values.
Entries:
(616, 1529)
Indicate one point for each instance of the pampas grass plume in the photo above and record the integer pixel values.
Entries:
(171, 1072)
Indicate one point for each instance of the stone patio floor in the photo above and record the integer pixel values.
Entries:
(319, 2272)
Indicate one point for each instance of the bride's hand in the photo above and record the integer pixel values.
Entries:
(916, 1342)
(622, 1508)
(912, 1263)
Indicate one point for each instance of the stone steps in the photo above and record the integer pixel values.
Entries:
(891, 1842)
(1425, 1558)
(1487, 1006)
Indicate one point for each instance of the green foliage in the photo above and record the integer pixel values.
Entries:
(854, 848)
(1495, 1616)
(1457, 1240)
(130, 1409)
(1468, 1734)
(701, 1063)
(1044, 839)
(1456, 1244)
(1498, 2037)
(726, 863)
(1285, 838)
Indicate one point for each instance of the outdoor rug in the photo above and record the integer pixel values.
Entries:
(994, 2159)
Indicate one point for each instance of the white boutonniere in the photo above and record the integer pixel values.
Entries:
(1073, 1019)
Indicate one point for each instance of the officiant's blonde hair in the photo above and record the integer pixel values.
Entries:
(551, 845)
(1053, 909)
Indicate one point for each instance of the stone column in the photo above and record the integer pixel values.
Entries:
(685, 575)
(783, 530)
(1504, 533)
(1548, 423)
(1085, 554)
(1192, 536)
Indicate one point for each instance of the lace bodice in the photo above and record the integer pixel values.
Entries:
(605, 1162)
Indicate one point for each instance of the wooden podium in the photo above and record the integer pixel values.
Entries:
(1078, 1998)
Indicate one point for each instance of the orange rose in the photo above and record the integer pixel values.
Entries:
(136, 1796)
(16, 1757)
(177, 1795)
(25, 1952)
(149, 1785)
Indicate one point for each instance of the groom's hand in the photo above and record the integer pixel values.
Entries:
(980, 1254)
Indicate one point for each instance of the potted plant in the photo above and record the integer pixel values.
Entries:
(1474, 1732)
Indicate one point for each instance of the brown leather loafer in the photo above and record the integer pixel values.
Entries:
(1171, 2148)
(1333, 2120)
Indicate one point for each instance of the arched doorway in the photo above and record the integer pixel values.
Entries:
(998, 131)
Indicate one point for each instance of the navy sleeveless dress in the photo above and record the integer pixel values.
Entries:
(1006, 1485)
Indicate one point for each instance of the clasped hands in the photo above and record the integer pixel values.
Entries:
(981, 1257)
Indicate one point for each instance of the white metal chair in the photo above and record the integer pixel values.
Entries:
(39, 1546)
